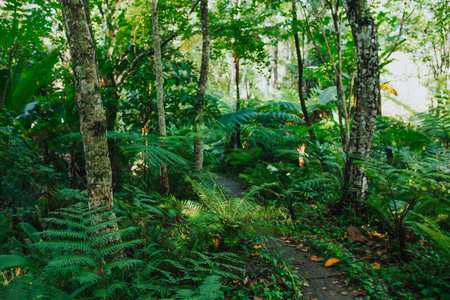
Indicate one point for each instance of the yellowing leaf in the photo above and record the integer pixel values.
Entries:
(257, 246)
(316, 258)
(332, 261)
(377, 266)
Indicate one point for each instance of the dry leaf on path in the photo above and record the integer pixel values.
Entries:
(332, 261)
(316, 258)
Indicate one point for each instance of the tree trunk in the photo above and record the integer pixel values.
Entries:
(164, 181)
(238, 101)
(198, 143)
(89, 103)
(364, 34)
(300, 72)
(275, 67)
(8, 76)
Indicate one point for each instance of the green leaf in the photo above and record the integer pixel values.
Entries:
(15, 261)
(31, 231)
(186, 295)
(30, 81)
(209, 289)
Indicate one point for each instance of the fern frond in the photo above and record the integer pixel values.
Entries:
(71, 261)
(104, 238)
(92, 229)
(186, 295)
(86, 277)
(122, 263)
(66, 223)
(64, 245)
(111, 249)
(209, 289)
(64, 234)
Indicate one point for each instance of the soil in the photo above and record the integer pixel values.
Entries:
(320, 282)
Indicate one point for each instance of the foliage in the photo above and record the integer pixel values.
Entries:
(230, 221)
(421, 187)
(80, 251)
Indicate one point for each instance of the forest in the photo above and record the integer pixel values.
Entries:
(224, 149)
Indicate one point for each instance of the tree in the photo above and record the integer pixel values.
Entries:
(198, 143)
(364, 34)
(300, 72)
(89, 103)
(164, 180)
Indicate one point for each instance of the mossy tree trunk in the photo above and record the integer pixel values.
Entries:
(206, 49)
(163, 180)
(89, 103)
(364, 34)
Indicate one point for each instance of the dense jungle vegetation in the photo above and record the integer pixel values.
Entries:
(119, 118)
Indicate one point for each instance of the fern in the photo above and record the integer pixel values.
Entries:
(208, 290)
(82, 252)
(436, 123)
(401, 194)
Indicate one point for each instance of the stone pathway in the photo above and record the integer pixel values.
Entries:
(322, 282)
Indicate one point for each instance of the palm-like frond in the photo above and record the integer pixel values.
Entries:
(436, 123)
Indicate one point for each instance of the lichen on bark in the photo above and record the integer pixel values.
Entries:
(364, 33)
(88, 100)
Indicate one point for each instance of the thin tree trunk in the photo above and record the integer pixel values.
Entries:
(232, 77)
(164, 180)
(364, 34)
(275, 67)
(198, 143)
(8, 78)
(300, 73)
(89, 103)
(243, 81)
(238, 101)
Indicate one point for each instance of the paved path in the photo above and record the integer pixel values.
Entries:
(321, 283)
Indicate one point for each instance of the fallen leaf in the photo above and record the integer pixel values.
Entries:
(332, 261)
(324, 288)
(257, 246)
(335, 282)
(245, 280)
(316, 258)
(305, 249)
(344, 293)
(377, 266)
(355, 235)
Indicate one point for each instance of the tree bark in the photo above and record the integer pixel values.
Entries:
(8, 77)
(89, 103)
(206, 49)
(164, 181)
(275, 67)
(364, 34)
(238, 101)
(300, 72)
